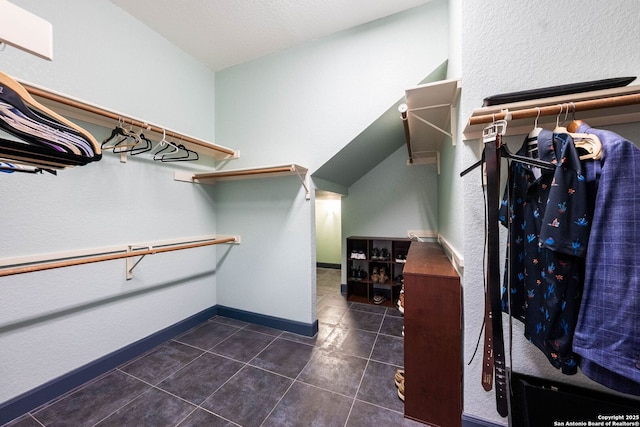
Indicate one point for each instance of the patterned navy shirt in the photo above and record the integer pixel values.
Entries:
(548, 220)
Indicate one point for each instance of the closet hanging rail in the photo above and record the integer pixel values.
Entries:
(127, 253)
(554, 110)
(70, 106)
(247, 173)
(610, 106)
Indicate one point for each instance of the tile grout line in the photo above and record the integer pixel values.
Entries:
(317, 347)
(289, 388)
(129, 402)
(156, 387)
(355, 396)
(244, 365)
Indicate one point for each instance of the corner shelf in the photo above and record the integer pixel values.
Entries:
(429, 116)
(247, 173)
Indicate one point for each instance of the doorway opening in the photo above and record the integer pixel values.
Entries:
(328, 243)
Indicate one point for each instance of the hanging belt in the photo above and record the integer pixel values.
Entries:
(494, 321)
(487, 361)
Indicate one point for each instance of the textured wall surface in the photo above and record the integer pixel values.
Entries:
(54, 321)
(512, 46)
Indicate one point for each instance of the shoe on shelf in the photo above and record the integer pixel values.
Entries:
(379, 298)
(399, 378)
(401, 390)
(401, 301)
(374, 276)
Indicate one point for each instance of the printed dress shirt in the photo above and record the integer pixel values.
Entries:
(548, 221)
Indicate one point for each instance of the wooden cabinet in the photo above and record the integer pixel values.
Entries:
(369, 258)
(432, 337)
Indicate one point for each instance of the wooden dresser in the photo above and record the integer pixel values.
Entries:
(432, 337)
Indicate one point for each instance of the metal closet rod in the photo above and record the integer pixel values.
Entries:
(118, 117)
(109, 257)
(554, 110)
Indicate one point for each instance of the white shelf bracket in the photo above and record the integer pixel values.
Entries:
(131, 263)
(305, 183)
(423, 120)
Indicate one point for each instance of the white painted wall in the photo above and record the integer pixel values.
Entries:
(55, 321)
(302, 106)
(509, 46)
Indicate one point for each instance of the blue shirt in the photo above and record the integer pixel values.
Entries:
(607, 335)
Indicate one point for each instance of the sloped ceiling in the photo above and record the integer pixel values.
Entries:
(374, 144)
(224, 33)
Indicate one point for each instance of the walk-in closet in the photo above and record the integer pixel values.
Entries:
(299, 213)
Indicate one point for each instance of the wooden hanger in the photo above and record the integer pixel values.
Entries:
(586, 141)
(574, 125)
(7, 81)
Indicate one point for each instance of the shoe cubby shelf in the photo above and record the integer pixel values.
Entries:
(247, 173)
(374, 269)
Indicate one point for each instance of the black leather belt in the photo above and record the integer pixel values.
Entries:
(487, 359)
(496, 340)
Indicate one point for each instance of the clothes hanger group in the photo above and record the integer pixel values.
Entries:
(34, 139)
(33, 135)
(590, 144)
(587, 142)
(499, 127)
(122, 140)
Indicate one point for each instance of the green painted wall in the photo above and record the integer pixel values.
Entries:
(303, 105)
(328, 230)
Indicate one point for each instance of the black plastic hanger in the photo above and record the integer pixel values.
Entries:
(148, 146)
(188, 156)
(123, 142)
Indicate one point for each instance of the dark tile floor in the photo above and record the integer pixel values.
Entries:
(230, 373)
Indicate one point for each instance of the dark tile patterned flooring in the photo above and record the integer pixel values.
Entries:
(231, 373)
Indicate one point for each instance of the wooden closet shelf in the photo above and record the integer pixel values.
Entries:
(100, 116)
(251, 173)
(597, 108)
(247, 173)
